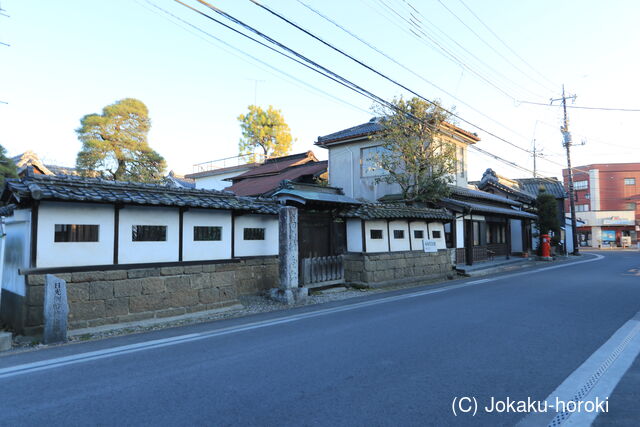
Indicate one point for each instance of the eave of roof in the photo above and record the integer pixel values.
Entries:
(370, 211)
(316, 197)
(482, 195)
(78, 189)
(373, 127)
(485, 208)
(214, 172)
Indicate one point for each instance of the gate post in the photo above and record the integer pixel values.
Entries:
(289, 290)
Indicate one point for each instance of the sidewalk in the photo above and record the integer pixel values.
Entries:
(623, 402)
(502, 264)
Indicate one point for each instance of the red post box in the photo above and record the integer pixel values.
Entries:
(545, 247)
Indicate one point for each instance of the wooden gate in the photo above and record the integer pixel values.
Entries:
(322, 271)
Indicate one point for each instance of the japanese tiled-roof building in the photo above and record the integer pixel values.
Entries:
(265, 179)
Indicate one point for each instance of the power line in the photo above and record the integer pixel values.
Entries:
(361, 90)
(449, 54)
(505, 44)
(418, 26)
(635, 110)
(486, 43)
(380, 73)
(253, 57)
(421, 77)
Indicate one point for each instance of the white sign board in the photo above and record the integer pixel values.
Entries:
(429, 246)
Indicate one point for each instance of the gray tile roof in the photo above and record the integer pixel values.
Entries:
(79, 189)
(461, 192)
(551, 185)
(395, 211)
(370, 127)
(491, 209)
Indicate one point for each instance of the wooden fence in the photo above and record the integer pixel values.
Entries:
(322, 271)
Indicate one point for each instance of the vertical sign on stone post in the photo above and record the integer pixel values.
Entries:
(288, 291)
(56, 310)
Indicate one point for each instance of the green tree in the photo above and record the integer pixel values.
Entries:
(266, 131)
(7, 167)
(114, 144)
(415, 154)
(548, 215)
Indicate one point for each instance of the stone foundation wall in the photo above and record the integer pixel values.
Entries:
(116, 296)
(388, 268)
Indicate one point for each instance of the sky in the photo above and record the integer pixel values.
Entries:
(70, 58)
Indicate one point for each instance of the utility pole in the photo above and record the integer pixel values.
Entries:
(566, 137)
(535, 157)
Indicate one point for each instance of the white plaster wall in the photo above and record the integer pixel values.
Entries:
(354, 235)
(399, 244)
(268, 246)
(16, 250)
(345, 172)
(63, 254)
(416, 244)
(376, 245)
(217, 182)
(206, 250)
(131, 252)
(459, 233)
(441, 242)
(516, 235)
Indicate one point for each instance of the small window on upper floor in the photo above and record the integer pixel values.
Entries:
(436, 234)
(460, 159)
(375, 234)
(76, 233)
(369, 161)
(418, 234)
(398, 234)
(629, 181)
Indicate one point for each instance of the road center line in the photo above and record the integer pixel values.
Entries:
(165, 342)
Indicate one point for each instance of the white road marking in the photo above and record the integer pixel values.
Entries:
(476, 282)
(148, 345)
(594, 380)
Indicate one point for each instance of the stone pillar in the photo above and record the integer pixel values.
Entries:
(289, 290)
(56, 310)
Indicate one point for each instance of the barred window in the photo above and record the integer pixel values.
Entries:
(436, 234)
(149, 233)
(375, 234)
(398, 234)
(76, 233)
(418, 234)
(254, 234)
(207, 233)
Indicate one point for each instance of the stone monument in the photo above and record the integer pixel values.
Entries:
(289, 291)
(56, 310)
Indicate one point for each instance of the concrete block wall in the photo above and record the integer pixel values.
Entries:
(387, 268)
(116, 296)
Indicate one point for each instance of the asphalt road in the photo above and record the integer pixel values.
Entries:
(395, 359)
